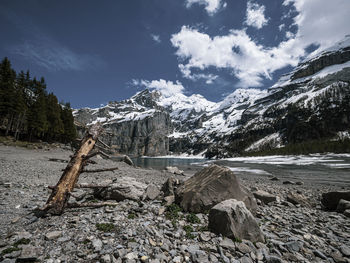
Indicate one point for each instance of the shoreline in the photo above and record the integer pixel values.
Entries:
(142, 229)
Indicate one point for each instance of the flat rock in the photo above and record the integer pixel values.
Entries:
(298, 199)
(123, 188)
(264, 196)
(152, 192)
(53, 235)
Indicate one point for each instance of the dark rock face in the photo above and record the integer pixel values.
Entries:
(320, 63)
(143, 137)
(231, 218)
(211, 186)
(330, 200)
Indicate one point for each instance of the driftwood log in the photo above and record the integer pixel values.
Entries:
(61, 192)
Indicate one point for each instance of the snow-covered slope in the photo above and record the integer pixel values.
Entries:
(315, 93)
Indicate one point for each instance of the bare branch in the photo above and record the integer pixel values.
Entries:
(93, 205)
(104, 144)
(100, 170)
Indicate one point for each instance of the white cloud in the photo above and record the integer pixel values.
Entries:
(211, 6)
(186, 72)
(318, 22)
(321, 22)
(167, 88)
(281, 27)
(156, 38)
(248, 61)
(255, 16)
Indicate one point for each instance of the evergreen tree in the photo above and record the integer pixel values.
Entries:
(70, 132)
(37, 121)
(7, 93)
(55, 126)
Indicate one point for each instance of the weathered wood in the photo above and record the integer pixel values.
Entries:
(93, 205)
(84, 186)
(100, 170)
(59, 197)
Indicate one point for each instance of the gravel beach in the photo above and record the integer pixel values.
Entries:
(141, 231)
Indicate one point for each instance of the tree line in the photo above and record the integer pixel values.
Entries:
(29, 112)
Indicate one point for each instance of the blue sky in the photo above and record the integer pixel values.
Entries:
(92, 52)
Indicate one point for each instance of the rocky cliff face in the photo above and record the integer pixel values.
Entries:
(310, 103)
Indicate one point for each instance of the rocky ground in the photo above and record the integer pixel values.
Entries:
(147, 231)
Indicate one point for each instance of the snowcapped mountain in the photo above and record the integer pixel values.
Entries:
(310, 103)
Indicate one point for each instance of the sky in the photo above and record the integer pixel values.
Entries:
(92, 52)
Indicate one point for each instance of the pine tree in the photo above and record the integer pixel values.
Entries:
(37, 121)
(7, 93)
(70, 132)
(21, 108)
(53, 113)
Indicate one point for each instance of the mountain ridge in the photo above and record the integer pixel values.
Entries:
(246, 120)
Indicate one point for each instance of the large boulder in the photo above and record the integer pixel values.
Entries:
(123, 188)
(211, 186)
(231, 218)
(330, 200)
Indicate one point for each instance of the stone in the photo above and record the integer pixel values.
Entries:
(123, 188)
(126, 159)
(244, 248)
(211, 186)
(169, 200)
(169, 186)
(29, 253)
(347, 213)
(205, 236)
(152, 192)
(273, 259)
(97, 244)
(330, 200)
(264, 196)
(298, 199)
(343, 205)
(199, 256)
(293, 246)
(231, 218)
(288, 182)
(53, 235)
(275, 178)
(319, 254)
(174, 170)
(345, 250)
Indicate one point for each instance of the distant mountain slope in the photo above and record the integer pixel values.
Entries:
(310, 103)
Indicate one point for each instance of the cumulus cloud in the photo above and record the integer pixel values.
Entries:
(167, 88)
(211, 6)
(255, 16)
(156, 38)
(321, 22)
(249, 61)
(318, 23)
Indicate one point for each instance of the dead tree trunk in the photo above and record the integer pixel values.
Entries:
(59, 197)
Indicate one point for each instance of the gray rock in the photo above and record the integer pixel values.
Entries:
(245, 260)
(169, 186)
(29, 253)
(264, 196)
(345, 250)
(174, 170)
(123, 188)
(298, 199)
(199, 256)
(152, 192)
(169, 200)
(347, 213)
(343, 205)
(330, 200)
(53, 235)
(231, 218)
(126, 159)
(209, 187)
(97, 244)
(319, 254)
(294, 246)
(288, 182)
(243, 248)
(273, 259)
